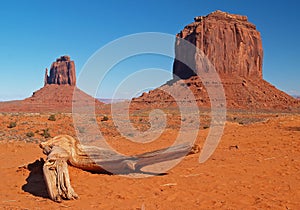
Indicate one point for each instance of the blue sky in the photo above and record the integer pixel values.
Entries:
(34, 33)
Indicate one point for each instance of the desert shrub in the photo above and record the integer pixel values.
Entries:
(12, 125)
(46, 133)
(52, 117)
(30, 134)
(130, 135)
(92, 120)
(104, 118)
(81, 129)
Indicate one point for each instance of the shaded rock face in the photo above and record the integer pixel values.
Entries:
(232, 44)
(234, 47)
(62, 72)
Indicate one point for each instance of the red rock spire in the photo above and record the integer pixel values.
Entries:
(62, 72)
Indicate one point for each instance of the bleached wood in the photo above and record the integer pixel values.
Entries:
(63, 149)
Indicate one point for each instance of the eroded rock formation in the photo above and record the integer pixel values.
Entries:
(62, 72)
(57, 95)
(232, 44)
(234, 47)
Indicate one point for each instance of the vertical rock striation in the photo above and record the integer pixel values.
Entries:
(62, 72)
(232, 44)
(234, 47)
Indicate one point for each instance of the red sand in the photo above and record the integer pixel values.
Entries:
(263, 173)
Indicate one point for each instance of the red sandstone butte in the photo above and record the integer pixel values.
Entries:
(62, 72)
(231, 43)
(57, 93)
(234, 47)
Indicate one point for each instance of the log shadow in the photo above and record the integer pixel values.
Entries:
(35, 181)
(126, 173)
(293, 128)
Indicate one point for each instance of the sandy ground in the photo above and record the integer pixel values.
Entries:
(262, 172)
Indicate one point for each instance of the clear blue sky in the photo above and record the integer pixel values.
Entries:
(34, 33)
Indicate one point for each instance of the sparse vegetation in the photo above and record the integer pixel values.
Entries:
(46, 133)
(52, 117)
(130, 135)
(30, 134)
(104, 118)
(81, 129)
(92, 120)
(12, 124)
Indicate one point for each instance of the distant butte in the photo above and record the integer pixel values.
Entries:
(234, 46)
(57, 93)
(62, 72)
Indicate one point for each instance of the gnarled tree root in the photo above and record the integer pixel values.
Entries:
(57, 180)
(63, 150)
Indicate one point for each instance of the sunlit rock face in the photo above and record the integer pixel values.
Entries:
(231, 43)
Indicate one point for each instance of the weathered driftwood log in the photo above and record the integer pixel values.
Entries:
(63, 149)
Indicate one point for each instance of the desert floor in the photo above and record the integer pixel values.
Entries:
(256, 166)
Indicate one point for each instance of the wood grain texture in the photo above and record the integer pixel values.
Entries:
(63, 150)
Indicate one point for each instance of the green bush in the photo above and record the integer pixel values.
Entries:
(30, 134)
(12, 125)
(52, 117)
(46, 133)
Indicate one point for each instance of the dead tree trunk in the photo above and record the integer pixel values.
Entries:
(63, 150)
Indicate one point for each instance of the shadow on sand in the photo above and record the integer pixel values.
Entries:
(35, 181)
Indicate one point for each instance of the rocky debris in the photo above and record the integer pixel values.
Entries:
(62, 72)
(51, 98)
(231, 43)
(240, 93)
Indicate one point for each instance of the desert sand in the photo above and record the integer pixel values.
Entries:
(256, 166)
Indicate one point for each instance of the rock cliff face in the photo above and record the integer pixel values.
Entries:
(232, 44)
(62, 72)
(234, 47)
